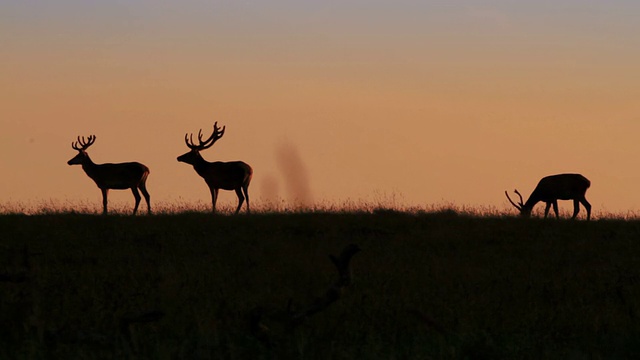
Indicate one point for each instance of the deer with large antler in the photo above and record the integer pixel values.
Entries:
(233, 175)
(552, 188)
(130, 175)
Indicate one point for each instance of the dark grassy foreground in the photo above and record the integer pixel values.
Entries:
(425, 286)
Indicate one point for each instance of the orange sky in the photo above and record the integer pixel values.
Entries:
(424, 103)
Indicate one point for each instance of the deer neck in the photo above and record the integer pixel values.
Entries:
(89, 166)
(531, 202)
(199, 162)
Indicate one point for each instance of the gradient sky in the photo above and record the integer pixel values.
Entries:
(424, 102)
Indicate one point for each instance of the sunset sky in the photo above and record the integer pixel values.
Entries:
(424, 102)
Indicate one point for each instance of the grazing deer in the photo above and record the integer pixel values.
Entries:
(553, 188)
(234, 175)
(130, 175)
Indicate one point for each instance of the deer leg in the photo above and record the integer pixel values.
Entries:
(587, 206)
(555, 209)
(240, 199)
(546, 209)
(245, 188)
(136, 195)
(105, 192)
(214, 198)
(147, 197)
(576, 208)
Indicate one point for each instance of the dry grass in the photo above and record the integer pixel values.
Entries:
(442, 282)
(379, 203)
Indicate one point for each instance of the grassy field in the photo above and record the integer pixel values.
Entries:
(426, 285)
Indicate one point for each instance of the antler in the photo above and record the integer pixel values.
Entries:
(517, 206)
(82, 144)
(217, 134)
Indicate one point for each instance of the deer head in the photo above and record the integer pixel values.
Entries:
(81, 145)
(193, 156)
(524, 211)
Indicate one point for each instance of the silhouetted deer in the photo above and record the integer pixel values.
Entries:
(553, 188)
(234, 175)
(130, 175)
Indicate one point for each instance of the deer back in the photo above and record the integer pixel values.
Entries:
(118, 176)
(561, 187)
(225, 175)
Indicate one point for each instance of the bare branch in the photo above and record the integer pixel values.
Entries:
(291, 318)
